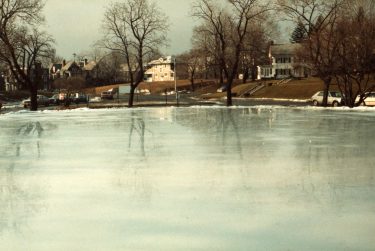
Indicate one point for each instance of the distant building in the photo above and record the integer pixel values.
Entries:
(41, 78)
(10, 81)
(161, 69)
(89, 70)
(55, 70)
(284, 63)
(70, 69)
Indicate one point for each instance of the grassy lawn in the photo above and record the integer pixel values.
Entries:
(157, 87)
(295, 89)
(207, 89)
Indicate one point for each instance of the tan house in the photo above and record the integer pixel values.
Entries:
(161, 69)
(284, 63)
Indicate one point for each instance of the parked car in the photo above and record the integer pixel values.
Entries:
(42, 100)
(79, 98)
(334, 98)
(369, 101)
(54, 100)
(222, 89)
(109, 94)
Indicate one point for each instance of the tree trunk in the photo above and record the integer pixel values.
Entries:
(221, 78)
(253, 73)
(33, 97)
(327, 82)
(245, 75)
(67, 99)
(192, 83)
(229, 92)
(131, 95)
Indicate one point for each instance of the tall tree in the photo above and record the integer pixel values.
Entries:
(319, 20)
(209, 46)
(299, 33)
(229, 26)
(193, 60)
(256, 47)
(135, 28)
(21, 44)
(356, 39)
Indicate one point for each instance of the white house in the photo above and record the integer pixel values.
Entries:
(10, 81)
(283, 63)
(161, 69)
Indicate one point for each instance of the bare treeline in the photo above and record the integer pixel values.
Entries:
(22, 45)
(229, 32)
(135, 29)
(339, 43)
(232, 37)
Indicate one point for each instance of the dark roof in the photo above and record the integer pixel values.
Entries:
(284, 49)
(69, 65)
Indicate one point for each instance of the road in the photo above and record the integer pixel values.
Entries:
(170, 100)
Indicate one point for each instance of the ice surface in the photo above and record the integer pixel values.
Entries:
(244, 178)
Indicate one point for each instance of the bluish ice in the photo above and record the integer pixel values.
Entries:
(199, 178)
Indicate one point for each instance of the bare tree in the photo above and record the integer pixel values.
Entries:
(68, 86)
(256, 47)
(22, 45)
(356, 65)
(194, 62)
(229, 25)
(135, 28)
(319, 19)
(209, 46)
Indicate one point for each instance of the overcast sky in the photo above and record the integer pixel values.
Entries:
(76, 24)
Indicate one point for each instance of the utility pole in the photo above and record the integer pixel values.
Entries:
(175, 80)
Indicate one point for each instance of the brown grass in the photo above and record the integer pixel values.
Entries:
(155, 87)
(207, 89)
(295, 89)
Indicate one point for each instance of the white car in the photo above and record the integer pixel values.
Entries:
(369, 101)
(334, 98)
(222, 89)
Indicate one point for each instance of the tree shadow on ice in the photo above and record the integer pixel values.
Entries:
(134, 175)
(20, 191)
(336, 164)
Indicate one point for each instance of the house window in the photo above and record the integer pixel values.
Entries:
(172, 75)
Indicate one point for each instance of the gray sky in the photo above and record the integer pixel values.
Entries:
(76, 24)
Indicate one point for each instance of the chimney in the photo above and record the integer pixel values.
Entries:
(63, 63)
(85, 61)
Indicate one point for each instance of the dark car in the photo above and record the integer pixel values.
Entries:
(42, 100)
(79, 98)
(54, 100)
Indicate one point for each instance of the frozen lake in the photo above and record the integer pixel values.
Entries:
(258, 178)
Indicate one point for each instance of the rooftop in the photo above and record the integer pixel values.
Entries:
(284, 49)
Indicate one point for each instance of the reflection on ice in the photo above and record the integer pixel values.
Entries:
(20, 195)
(250, 178)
